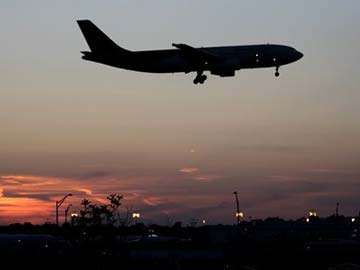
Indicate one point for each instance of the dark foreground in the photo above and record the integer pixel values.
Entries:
(272, 244)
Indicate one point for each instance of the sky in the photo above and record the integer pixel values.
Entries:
(175, 150)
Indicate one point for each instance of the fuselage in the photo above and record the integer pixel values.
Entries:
(171, 61)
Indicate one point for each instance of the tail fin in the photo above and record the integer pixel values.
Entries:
(96, 39)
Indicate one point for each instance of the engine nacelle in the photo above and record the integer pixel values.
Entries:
(223, 72)
(225, 68)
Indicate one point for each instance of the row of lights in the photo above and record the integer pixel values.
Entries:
(312, 214)
(136, 215)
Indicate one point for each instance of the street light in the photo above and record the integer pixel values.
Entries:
(66, 212)
(57, 206)
(239, 214)
(74, 218)
(136, 215)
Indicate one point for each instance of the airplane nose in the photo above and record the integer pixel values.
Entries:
(299, 55)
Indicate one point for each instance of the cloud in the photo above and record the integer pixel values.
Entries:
(268, 148)
(97, 174)
(287, 178)
(179, 195)
(31, 198)
(206, 177)
(153, 201)
(36, 195)
(321, 170)
(31, 195)
(189, 170)
(86, 191)
(95, 165)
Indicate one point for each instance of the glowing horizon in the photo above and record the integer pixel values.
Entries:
(175, 150)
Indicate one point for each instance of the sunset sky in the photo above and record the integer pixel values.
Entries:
(177, 151)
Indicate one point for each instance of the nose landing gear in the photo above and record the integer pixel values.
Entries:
(277, 73)
(200, 78)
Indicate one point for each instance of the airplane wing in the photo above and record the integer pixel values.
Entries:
(196, 55)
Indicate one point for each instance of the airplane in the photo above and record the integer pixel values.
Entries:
(220, 61)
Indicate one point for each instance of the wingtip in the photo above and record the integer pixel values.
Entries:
(83, 21)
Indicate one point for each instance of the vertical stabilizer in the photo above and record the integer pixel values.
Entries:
(96, 39)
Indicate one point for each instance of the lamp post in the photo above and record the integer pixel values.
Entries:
(337, 209)
(66, 212)
(238, 214)
(57, 206)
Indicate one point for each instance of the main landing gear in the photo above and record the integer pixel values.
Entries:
(277, 73)
(200, 78)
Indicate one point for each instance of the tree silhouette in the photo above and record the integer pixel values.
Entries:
(115, 203)
(106, 214)
(85, 213)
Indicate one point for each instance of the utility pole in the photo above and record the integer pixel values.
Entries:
(57, 206)
(238, 214)
(66, 212)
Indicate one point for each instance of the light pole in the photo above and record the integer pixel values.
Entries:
(57, 206)
(66, 212)
(238, 214)
(337, 209)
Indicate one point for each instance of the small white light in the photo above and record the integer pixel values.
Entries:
(307, 220)
(274, 59)
(257, 55)
(239, 214)
(136, 215)
(353, 220)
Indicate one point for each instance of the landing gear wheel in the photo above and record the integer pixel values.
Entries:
(202, 79)
(277, 74)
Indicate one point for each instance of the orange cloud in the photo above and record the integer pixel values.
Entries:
(153, 201)
(32, 198)
(85, 190)
(189, 170)
(207, 177)
(29, 198)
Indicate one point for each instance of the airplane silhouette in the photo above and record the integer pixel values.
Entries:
(220, 61)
